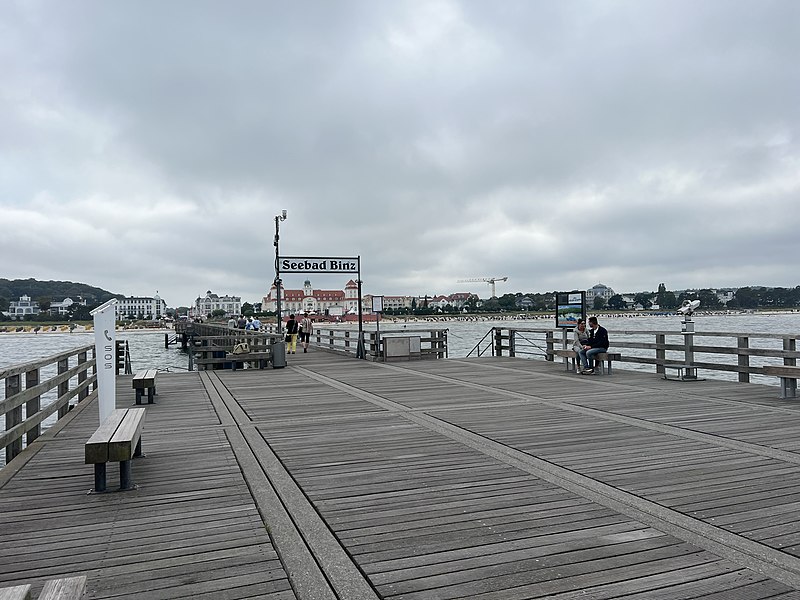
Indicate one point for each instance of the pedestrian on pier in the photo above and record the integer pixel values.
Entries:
(596, 344)
(306, 328)
(291, 334)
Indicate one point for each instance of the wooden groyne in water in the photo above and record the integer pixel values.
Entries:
(488, 477)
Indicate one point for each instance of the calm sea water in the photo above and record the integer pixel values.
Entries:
(147, 348)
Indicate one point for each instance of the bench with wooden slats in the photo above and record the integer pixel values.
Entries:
(118, 439)
(145, 380)
(603, 359)
(68, 588)
(789, 375)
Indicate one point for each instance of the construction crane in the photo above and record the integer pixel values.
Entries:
(490, 280)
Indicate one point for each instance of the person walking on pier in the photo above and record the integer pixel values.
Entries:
(306, 329)
(291, 334)
(596, 344)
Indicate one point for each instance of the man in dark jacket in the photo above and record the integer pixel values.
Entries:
(597, 344)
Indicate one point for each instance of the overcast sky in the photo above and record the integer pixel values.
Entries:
(148, 145)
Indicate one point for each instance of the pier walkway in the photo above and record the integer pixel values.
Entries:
(491, 478)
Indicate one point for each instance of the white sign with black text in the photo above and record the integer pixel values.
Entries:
(303, 264)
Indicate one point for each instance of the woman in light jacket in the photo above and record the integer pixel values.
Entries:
(581, 338)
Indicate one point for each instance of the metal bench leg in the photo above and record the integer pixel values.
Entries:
(125, 476)
(138, 451)
(788, 387)
(100, 477)
(150, 393)
(609, 367)
(138, 396)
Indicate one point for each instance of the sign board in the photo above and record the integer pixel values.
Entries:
(570, 306)
(318, 264)
(377, 304)
(105, 356)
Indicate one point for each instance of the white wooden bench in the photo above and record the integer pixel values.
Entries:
(68, 588)
(145, 380)
(118, 439)
(603, 359)
(789, 375)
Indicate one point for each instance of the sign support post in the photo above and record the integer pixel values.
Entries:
(105, 357)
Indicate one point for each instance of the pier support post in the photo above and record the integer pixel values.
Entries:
(743, 359)
(63, 388)
(33, 405)
(82, 376)
(13, 417)
(661, 353)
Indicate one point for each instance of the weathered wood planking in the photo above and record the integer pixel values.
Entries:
(406, 465)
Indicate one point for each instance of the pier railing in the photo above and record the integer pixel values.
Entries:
(377, 344)
(206, 339)
(37, 389)
(744, 354)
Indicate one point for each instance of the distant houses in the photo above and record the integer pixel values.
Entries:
(24, 307)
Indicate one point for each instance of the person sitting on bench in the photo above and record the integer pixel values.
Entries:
(596, 344)
(581, 339)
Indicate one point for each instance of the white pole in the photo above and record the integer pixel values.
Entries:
(105, 350)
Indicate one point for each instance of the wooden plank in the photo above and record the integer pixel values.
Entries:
(68, 588)
(18, 592)
(123, 443)
(96, 449)
(783, 371)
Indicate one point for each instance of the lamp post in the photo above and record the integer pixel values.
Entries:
(278, 219)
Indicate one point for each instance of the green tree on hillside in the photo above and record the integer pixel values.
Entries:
(617, 302)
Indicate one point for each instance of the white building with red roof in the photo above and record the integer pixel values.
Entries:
(311, 300)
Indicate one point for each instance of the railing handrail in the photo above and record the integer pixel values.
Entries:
(27, 392)
(20, 368)
(508, 339)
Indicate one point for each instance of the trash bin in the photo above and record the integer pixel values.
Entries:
(278, 351)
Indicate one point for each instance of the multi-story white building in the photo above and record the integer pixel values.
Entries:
(141, 307)
(599, 289)
(63, 307)
(22, 307)
(203, 307)
(311, 300)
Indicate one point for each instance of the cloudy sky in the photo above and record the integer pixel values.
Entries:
(148, 145)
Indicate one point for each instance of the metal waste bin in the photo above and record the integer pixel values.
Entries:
(278, 352)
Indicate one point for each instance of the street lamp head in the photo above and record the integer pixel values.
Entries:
(282, 216)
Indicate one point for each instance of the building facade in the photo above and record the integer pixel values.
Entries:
(308, 299)
(140, 308)
(599, 289)
(18, 309)
(65, 306)
(204, 306)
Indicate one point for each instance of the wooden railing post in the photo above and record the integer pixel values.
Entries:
(33, 405)
(498, 342)
(551, 348)
(661, 352)
(790, 346)
(330, 339)
(13, 417)
(83, 376)
(511, 339)
(347, 341)
(743, 359)
(63, 388)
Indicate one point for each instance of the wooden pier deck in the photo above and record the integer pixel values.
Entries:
(475, 478)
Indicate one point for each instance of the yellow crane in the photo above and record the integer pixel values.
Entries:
(490, 280)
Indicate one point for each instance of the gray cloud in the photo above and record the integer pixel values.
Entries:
(560, 144)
